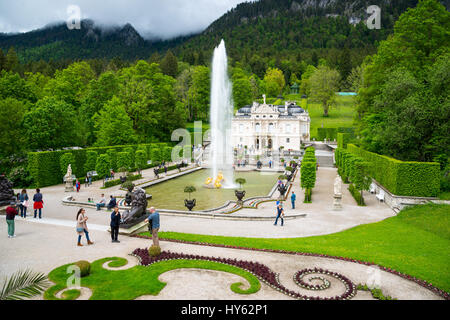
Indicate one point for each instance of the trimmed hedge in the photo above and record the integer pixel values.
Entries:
(44, 167)
(343, 139)
(402, 178)
(327, 133)
(112, 183)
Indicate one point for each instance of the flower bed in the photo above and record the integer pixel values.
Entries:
(420, 282)
(264, 273)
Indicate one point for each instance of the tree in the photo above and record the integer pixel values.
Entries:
(123, 160)
(91, 161)
(51, 124)
(360, 178)
(304, 86)
(184, 82)
(99, 92)
(199, 93)
(24, 285)
(70, 85)
(275, 82)
(103, 165)
(11, 60)
(2, 60)
(403, 111)
(169, 65)
(114, 126)
(324, 84)
(140, 159)
(242, 89)
(308, 178)
(11, 127)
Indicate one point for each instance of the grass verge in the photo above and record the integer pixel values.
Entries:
(415, 242)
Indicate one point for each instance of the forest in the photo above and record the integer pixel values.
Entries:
(402, 109)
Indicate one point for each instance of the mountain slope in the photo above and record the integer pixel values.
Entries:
(267, 28)
(274, 26)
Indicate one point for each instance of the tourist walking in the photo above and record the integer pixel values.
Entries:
(86, 181)
(82, 227)
(78, 185)
(153, 225)
(280, 214)
(90, 179)
(293, 198)
(38, 203)
(101, 203)
(23, 199)
(11, 213)
(115, 224)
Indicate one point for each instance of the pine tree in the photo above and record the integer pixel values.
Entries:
(169, 65)
(2, 60)
(12, 61)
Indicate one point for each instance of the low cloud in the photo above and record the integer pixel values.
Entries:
(151, 18)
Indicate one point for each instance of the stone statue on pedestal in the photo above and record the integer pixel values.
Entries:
(337, 204)
(68, 179)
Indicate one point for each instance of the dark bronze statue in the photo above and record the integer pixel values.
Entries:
(6, 191)
(138, 207)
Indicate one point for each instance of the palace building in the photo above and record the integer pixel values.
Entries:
(266, 127)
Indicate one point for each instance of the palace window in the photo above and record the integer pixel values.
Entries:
(258, 128)
(288, 128)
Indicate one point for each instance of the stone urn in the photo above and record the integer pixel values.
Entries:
(282, 189)
(239, 195)
(190, 204)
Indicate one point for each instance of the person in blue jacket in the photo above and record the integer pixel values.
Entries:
(115, 224)
(293, 198)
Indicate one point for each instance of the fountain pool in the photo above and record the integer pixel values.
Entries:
(170, 194)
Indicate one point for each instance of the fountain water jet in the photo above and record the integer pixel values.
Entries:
(221, 154)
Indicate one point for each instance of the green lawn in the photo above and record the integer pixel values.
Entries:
(342, 115)
(415, 242)
(137, 281)
(444, 196)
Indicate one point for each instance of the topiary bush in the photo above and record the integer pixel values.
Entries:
(154, 251)
(85, 268)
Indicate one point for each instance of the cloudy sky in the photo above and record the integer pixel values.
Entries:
(162, 18)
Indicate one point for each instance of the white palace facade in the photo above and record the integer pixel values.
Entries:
(266, 127)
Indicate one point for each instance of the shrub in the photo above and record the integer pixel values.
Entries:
(128, 185)
(241, 182)
(327, 133)
(308, 178)
(124, 160)
(103, 165)
(140, 159)
(402, 178)
(343, 139)
(91, 161)
(356, 195)
(154, 251)
(85, 268)
(45, 167)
